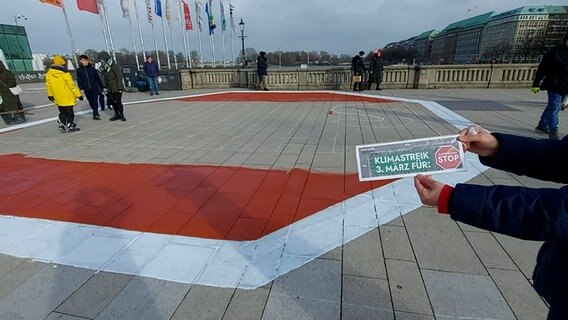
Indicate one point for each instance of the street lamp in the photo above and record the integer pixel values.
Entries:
(242, 26)
(17, 17)
(280, 57)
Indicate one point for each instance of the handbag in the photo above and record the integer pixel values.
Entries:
(356, 78)
(15, 90)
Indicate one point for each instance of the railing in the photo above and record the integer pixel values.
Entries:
(394, 77)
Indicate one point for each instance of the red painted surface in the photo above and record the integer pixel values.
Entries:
(286, 97)
(190, 200)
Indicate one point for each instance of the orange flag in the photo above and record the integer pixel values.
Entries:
(57, 3)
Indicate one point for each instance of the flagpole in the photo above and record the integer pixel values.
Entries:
(139, 29)
(69, 29)
(109, 32)
(184, 34)
(166, 40)
(213, 50)
(99, 6)
(134, 42)
(198, 12)
(174, 46)
(223, 24)
(233, 47)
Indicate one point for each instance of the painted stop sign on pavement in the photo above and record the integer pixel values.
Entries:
(448, 157)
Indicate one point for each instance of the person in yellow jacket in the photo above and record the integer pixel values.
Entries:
(62, 91)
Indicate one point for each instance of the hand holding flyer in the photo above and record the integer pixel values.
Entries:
(408, 158)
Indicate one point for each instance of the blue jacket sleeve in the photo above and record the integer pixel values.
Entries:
(530, 214)
(540, 159)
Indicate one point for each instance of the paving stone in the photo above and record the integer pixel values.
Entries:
(367, 292)
(247, 304)
(407, 288)
(522, 252)
(7, 263)
(490, 251)
(396, 244)
(357, 312)
(145, 298)
(364, 257)
(411, 316)
(439, 244)
(60, 316)
(335, 254)
(456, 295)
(520, 295)
(204, 303)
(36, 297)
(283, 307)
(99, 291)
(319, 279)
(13, 278)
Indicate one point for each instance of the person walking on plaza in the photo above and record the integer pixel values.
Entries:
(358, 69)
(152, 72)
(102, 93)
(262, 70)
(11, 107)
(552, 76)
(376, 70)
(520, 212)
(89, 81)
(62, 91)
(113, 85)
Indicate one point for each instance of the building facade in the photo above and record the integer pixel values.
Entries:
(510, 33)
(16, 47)
(557, 26)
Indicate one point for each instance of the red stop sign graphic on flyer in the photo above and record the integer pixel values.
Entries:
(448, 157)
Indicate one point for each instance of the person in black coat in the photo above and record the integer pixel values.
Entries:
(376, 70)
(152, 72)
(520, 212)
(358, 69)
(262, 70)
(10, 104)
(552, 76)
(89, 81)
(113, 84)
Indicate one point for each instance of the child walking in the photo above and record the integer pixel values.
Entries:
(62, 91)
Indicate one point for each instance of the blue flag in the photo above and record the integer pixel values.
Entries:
(210, 18)
(158, 8)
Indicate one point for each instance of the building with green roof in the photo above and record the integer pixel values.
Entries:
(460, 41)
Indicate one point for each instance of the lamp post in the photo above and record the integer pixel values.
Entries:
(280, 57)
(18, 17)
(242, 26)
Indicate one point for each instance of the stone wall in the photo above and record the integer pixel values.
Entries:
(394, 77)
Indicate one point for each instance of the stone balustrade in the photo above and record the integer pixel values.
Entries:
(394, 77)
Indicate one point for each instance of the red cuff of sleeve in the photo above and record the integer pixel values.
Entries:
(444, 200)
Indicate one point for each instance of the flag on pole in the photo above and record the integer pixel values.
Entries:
(223, 19)
(210, 17)
(158, 8)
(168, 16)
(198, 8)
(233, 25)
(57, 3)
(126, 5)
(88, 5)
(187, 14)
(149, 11)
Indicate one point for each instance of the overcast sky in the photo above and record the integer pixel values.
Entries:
(335, 26)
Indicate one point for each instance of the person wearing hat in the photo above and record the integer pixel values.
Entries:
(62, 91)
(552, 76)
(112, 75)
(262, 70)
(358, 69)
(11, 107)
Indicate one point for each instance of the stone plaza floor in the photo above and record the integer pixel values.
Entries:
(209, 204)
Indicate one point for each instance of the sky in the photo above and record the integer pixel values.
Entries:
(330, 25)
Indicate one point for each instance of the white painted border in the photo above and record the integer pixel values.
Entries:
(221, 263)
